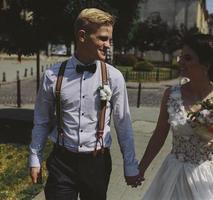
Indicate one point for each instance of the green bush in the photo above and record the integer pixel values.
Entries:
(125, 59)
(175, 66)
(144, 66)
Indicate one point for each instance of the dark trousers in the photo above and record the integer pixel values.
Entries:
(72, 174)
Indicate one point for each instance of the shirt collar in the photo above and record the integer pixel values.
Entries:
(75, 61)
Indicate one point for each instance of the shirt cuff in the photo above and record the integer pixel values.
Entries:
(131, 170)
(34, 161)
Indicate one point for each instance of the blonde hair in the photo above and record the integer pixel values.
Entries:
(92, 16)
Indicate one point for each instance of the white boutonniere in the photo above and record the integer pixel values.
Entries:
(105, 93)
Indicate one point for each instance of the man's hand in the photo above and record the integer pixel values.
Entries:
(134, 181)
(35, 173)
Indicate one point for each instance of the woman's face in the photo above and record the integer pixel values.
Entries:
(190, 64)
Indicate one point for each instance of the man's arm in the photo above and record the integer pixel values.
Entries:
(43, 118)
(123, 126)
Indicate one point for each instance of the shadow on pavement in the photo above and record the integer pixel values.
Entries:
(16, 125)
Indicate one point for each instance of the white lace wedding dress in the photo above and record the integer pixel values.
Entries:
(187, 172)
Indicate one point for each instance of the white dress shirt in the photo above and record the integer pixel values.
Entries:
(80, 105)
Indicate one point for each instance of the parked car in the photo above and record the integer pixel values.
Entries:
(59, 50)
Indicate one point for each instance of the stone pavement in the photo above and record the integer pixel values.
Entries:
(143, 121)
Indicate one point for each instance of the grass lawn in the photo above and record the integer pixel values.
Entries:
(15, 182)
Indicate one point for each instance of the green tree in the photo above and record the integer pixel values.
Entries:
(52, 21)
(29, 25)
(155, 34)
(127, 12)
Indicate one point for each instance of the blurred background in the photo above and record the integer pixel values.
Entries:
(36, 34)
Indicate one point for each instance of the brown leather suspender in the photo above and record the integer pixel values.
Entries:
(101, 114)
(58, 102)
(101, 121)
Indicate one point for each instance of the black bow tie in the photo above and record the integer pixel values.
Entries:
(90, 68)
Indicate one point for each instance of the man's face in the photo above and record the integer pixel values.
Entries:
(97, 43)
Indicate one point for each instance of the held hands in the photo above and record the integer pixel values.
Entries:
(134, 181)
(36, 174)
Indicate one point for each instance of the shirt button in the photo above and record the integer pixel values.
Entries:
(82, 114)
(83, 96)
(80, 146)
(84, 79)
(81, 130)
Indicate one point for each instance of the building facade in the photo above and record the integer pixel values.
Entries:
(177, 12)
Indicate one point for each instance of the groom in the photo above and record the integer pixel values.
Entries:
(80, 163)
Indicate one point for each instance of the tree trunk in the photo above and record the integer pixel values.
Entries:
(170, 58)
(186, 13)
(68, 49)
(135, 52)
(38, 69)
(164, 57)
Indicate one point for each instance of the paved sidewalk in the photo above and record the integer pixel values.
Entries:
(153, 85)
(144, 121)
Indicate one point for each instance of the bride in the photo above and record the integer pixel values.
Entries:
(187, 172)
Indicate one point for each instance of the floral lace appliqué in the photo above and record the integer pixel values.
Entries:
(176, 110)
(190, 149)
(187, 146)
